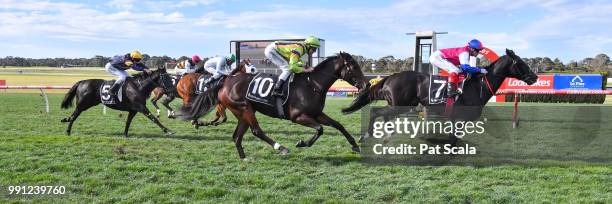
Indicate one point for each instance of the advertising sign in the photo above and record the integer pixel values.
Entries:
(544, 82)
(578, 82)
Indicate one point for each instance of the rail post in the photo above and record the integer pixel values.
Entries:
(44, 95)
(515, 119)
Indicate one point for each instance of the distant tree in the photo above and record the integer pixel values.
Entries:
(572, 65)
(182, 58)
(601, 62)
(558, 65)
(548, 64)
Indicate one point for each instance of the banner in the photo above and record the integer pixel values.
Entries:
(544, 82)
(578, 82)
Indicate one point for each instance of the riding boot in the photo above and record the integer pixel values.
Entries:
(114, 89)
(208, 83)
(278, 88)
(453, 83)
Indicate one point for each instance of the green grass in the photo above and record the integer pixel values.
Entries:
(97, 164)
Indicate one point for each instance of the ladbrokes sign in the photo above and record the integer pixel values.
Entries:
(544, 82)
(557, 82)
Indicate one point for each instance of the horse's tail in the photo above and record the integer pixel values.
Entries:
(201, 105)
(366, 97)
(67, 102)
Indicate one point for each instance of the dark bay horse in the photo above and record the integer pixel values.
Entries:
(186, 87)
(136, 90)
(305, 104)
(411, 88)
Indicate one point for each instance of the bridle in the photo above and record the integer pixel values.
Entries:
(513, 71)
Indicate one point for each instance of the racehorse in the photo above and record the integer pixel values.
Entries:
(411, 88)
(185, 88)
(135, 90)
(304, 106)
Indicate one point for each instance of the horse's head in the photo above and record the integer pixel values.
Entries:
(245, 66)
(162, 79)
(513, 66)
(350, 71)
(248, 67)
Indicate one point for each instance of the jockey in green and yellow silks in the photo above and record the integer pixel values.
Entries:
(288, 57)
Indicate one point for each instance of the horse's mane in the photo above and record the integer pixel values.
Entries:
(502, 59)
(328, 59)
(240, 65)
(142, 75)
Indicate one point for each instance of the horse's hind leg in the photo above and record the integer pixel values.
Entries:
(326, 120)
(142, 109)
(309, 122)
(241, 128)
(249, 117)
(71, 120)
(81, 106)
(166, 102)
(128, 122)
(220, 116)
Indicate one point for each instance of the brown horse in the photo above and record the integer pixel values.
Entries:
(186, 90)
(304, 106)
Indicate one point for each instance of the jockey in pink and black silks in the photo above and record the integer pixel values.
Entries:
(457, 60)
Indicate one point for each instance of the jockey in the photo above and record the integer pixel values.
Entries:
(288, 57)
(448, 59)
(218, 66)
(119, 63)
(187, 66)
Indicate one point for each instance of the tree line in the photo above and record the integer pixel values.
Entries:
(598, 64)
(388, 64)
(96, 61)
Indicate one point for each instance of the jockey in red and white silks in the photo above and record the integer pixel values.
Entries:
(448, 59)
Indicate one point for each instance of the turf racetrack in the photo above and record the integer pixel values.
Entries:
(97, 164)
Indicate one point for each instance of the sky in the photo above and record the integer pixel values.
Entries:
(568, 30)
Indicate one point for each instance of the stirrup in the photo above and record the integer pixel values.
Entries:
(277, 93)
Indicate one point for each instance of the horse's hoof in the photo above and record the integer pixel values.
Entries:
(65, 120)
(301, 143)
(172, 117)
(283, 150)
(356, 149)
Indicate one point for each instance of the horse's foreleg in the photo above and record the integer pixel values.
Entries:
(154, 100)
(309, 122)
(166, 102)
(151, 117)
(128, 122)
(326, 120)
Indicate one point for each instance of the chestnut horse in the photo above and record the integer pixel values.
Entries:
(186, 90)
(304, 106)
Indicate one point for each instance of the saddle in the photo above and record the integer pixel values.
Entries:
(438, 88)
(175, 79)
(106, 97)
(200, 84)
(261, 86)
